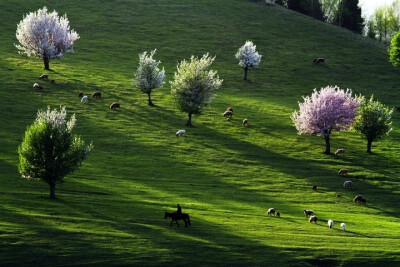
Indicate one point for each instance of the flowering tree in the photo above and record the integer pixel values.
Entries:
(148, 76)
(248, 57)
(193, 85)
(373, 121)
(45, 35)
(49, 150)
(329, 109)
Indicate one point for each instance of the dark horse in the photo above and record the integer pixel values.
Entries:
(176, 216)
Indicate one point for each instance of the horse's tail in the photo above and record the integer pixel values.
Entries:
(188, 219)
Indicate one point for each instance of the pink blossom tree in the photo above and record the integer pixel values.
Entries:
(329, 109)
(45, 35)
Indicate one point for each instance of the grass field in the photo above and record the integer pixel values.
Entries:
(110, 211)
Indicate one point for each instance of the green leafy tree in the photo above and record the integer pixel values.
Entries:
(394, 50)
(349, 16)
(193, 85)
(373, 121)
(49, 150)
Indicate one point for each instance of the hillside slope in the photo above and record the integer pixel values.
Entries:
(110, 211)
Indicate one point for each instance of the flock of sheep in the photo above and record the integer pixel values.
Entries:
(312, 218)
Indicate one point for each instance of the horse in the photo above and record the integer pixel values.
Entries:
(176, 216)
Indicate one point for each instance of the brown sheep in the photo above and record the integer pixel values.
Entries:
(271, 211)
(360, 199)
(228, 114)
(44, 77)
(314, 188)
(114, 105)
(313, 219)
(96, 95)
(343, 172)
(319, 60)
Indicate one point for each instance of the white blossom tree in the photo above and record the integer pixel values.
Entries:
(329, 109)
(193, 85)
(45, 35)
(148, 76)
(248, 57)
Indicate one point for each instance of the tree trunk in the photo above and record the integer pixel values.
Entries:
(327, 144)
(52, 190)
(46, 62)
(150, 103)
(369, 145)
(189, 122)
(245, 73)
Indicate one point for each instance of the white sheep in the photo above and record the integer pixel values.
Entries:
(35, 85)
(339, 151)
(330, 224)
(181, 133)
(347, 184)
(343, 226)
(85, 99)
(245, 122)
(271, 211)
(313, 219)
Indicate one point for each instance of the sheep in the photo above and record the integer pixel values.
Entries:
(278, 214)
(85, 99)
(314, 188)
(308, 212)
(340, 151)
(80, 94)
(181, 133)
(245, 122)
(271, 211)
(330, 224)
(343, 226)
(360, 199)
(347, 184)
(44, 77)
(319, 60)
(313, 219)
(229, 109)
(343, 172)
(96, 95)
(228, 114)
(37, 86)
(115, 105)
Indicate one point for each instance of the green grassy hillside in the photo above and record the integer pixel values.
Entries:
(110, 211)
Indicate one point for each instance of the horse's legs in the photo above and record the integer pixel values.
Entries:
(185, 222)
(177, 222)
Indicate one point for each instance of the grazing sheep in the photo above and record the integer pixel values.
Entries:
(360, 199)
(313, 219)
(80, 94)
(37, 86)
(96, 95)
(245, 122)
(181, 133)
(347, 184)
(319, 60)
(314, 188)
(308, 212)
(52, 81)
(115, 105)
(271, 211)
(339, 151)
(330, 224)
(343, 172)
(343, 226)
(228, 114)
(44, 77)
(278, 214)
(85, 99)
